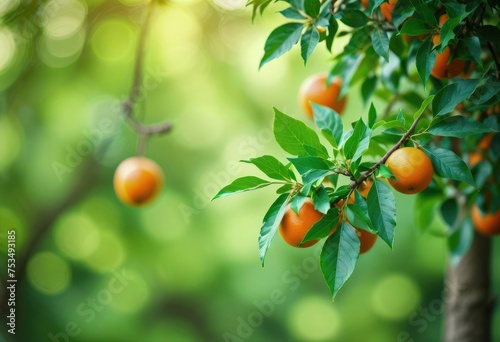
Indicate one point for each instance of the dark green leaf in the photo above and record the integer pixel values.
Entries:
(293, 136)
(339, 256)
(489, 33)
(323, 227)
(292, 13)
(272, 167)
(242, 184)
(449, 211)
(270, 225)
(425, 59)
(359, 218)
(297, 202)
(450, 96)
(458, 126)
(460, 242)
(311, 168)
(329, 122)
(402, 11)
(382, 210)
(415, 27)
(332, 31)
(312, 7)
(281, 41)
(448, 165)
(380, 42)
(368, 88)
(353, 18)
(372, 116)
(358, 142)
(321, 200)
(308, 43)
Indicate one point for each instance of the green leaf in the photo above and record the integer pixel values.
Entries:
(353, 18)
(486, 91)
(312, 7)
(311, 168)
(292, 13)
(339, 256)
(332, 31)
(449, 211)
(308, 43)
(425, 59)
(423, 106)
(382, 210)
(281, 41)
(425, 211)
(359, 218)
(372, 116)
(272, 167)
(294, 136)
(345, 69)
(284, 189)
(415, 27)
(380, 42)
(323, 227)
(297, 202)
(458, 126)
(321, 200)
(329, 122)
(385, 172)
(489, 33)
(368, 87)
(472, 46)
(451, 95)
(242, 184)
(448, 165)
(460, 242)
(358, 142)
(258, 4)
(402, 11)
(270, 225)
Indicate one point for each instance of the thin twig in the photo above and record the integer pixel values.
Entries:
(144, 131)
(364, 175)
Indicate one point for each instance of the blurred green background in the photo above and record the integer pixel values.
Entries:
(183, 268)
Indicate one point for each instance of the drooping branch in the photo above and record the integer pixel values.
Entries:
(354, 184)
(143, 131)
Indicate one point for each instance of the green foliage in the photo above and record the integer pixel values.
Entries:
(446, 118)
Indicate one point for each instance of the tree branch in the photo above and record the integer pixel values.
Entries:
(354, 184)
(495, 58)
(143, 131)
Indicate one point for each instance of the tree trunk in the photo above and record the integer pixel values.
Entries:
(469, 300)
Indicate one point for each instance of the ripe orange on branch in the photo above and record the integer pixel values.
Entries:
(293, 227)
(366, 239)
(137, 181)
(315, 89)
(483, 145)
(486, 223)
(386, 10)
(412, 168)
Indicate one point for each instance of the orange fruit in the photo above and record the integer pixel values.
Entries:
(412, 168)
(386, 10)
(483, 145)
(321, 29)
(137, 181)
(294, 227)
(488, 223)
(314, 89)
(444, 70)
(364, 3)
(366, 239)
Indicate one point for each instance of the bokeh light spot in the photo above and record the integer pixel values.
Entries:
(314, 318)
(134, 296)
(395, 297)
(48, 273)
(7, 46)
(76, 235)
(108, 255)
(113, 40)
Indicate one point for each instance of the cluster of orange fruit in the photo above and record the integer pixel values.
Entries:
(411, 167)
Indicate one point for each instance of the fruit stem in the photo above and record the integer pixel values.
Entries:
(364, 175)
(129, 104)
